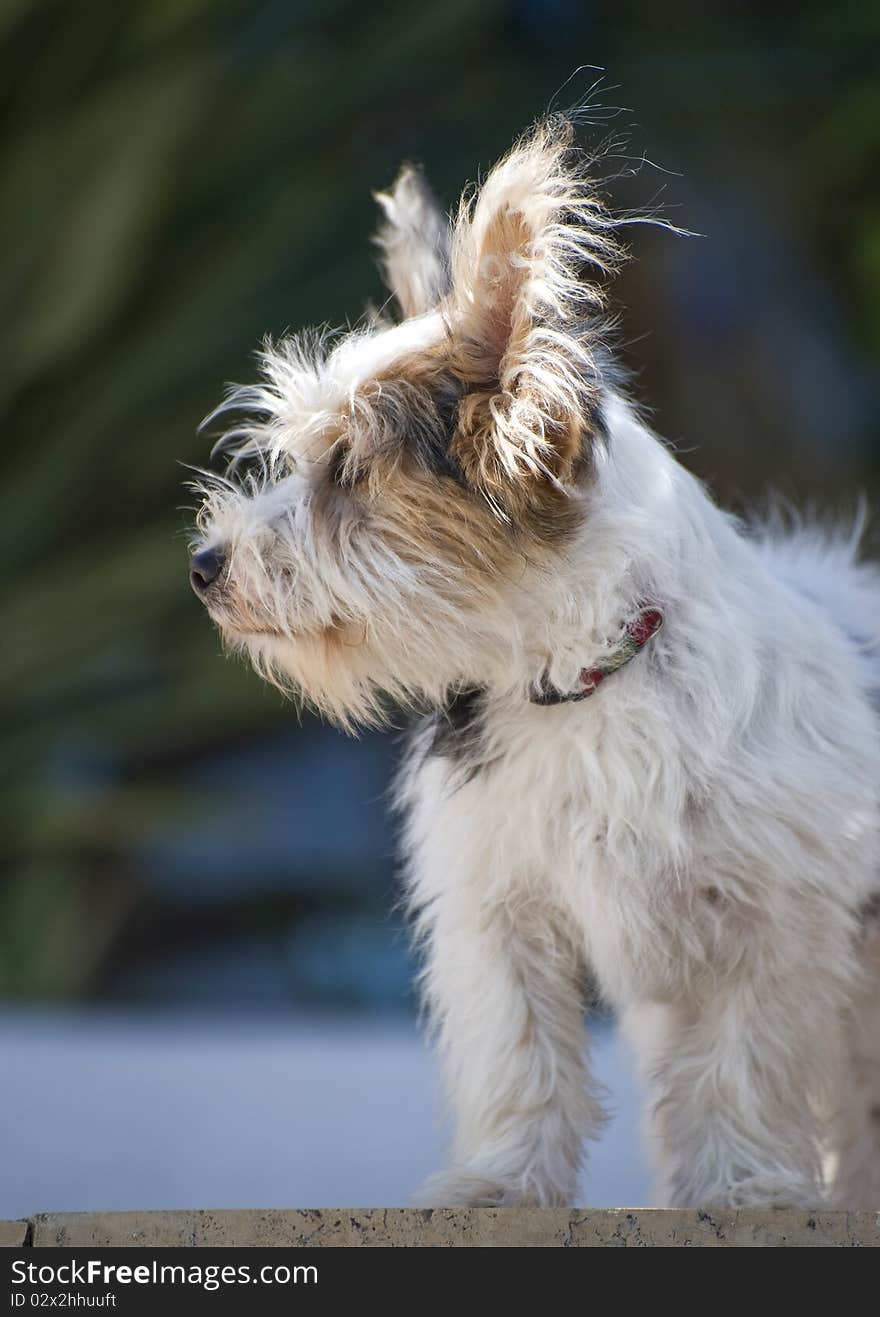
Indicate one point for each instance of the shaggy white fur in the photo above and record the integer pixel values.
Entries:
(461, 510)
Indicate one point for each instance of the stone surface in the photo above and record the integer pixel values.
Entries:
(117, 1229)
(13, 1233)
(446, 1228)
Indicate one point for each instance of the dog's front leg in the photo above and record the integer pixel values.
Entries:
(504, 988)
(732, 1089)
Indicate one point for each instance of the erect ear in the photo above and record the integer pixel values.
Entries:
(522, 307)
(414, 242)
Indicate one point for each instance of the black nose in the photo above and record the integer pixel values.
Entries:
(204, 568)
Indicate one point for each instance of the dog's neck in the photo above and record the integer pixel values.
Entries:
(652, 543)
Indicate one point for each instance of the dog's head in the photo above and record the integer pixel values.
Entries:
(397, 497)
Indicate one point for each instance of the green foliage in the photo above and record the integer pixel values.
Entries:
(178, 179)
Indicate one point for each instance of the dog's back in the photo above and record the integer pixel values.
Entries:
(822, 563)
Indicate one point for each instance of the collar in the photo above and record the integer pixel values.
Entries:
(636, 634)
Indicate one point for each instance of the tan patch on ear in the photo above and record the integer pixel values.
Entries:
(486, 446)
(513, 442)
(530, 250)
(502, 270)
(523, 480)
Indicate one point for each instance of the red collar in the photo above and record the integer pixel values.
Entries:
(636, 634)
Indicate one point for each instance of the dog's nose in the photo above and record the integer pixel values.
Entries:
(204, 568)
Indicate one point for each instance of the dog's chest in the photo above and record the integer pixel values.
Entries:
(581, 815)
(591, 813)
(578, 778)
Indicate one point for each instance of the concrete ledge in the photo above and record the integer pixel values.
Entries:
(446, 1228)
(13, 1234)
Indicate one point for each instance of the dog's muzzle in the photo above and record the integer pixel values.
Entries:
(205, 568)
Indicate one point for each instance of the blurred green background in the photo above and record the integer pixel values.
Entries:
(180, 176)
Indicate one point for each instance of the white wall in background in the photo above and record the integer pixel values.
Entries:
(121, 1111)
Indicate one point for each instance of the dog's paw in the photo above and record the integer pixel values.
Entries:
(461, 1187)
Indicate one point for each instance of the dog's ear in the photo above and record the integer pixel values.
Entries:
(529, 249)
(414, 243)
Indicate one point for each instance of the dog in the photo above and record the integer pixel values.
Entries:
(646, 744)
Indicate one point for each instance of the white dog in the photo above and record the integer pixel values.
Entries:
(650, 747)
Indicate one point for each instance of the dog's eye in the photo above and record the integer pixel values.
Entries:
(341, 471)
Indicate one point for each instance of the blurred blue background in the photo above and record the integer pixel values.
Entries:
(186, 868)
